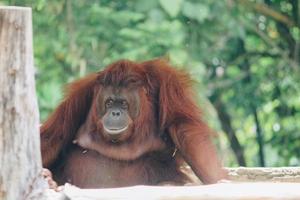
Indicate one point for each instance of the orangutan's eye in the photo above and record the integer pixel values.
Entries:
(124, 104)
(109, 103)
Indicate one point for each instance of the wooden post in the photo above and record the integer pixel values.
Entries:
(20, 159)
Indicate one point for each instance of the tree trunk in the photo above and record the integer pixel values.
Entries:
(259, 138)
(229, 131)
(20, 159)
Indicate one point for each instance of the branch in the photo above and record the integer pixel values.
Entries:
(295, 10)
(268, 41)
(227, 83)
(267, 11)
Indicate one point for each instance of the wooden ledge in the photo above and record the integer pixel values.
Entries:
(270, 174)
(230, 191)
(245, 183)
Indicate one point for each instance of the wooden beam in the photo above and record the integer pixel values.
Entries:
(224, 191)
(245, 183)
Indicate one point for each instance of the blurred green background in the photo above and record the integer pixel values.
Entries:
(243, 54)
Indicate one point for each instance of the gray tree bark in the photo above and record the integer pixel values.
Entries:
(20, 159)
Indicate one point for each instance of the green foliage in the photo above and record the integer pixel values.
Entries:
(195, 11)
(172, 7)
(245, 59)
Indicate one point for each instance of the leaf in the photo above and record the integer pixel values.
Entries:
(195, 11)
(145, 6)
(172, 7)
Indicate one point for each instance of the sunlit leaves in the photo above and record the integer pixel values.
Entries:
(172, 7)
(196, 11)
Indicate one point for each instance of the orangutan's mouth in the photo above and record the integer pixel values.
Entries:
(115, 131)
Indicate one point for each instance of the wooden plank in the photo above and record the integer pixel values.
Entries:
(230, 191)
(270, 174)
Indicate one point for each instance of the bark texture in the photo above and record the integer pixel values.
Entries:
(265, 174)
(20, 159)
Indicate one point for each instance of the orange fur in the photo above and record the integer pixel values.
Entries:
(168, 119)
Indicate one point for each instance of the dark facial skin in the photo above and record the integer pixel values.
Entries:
(118, 107)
